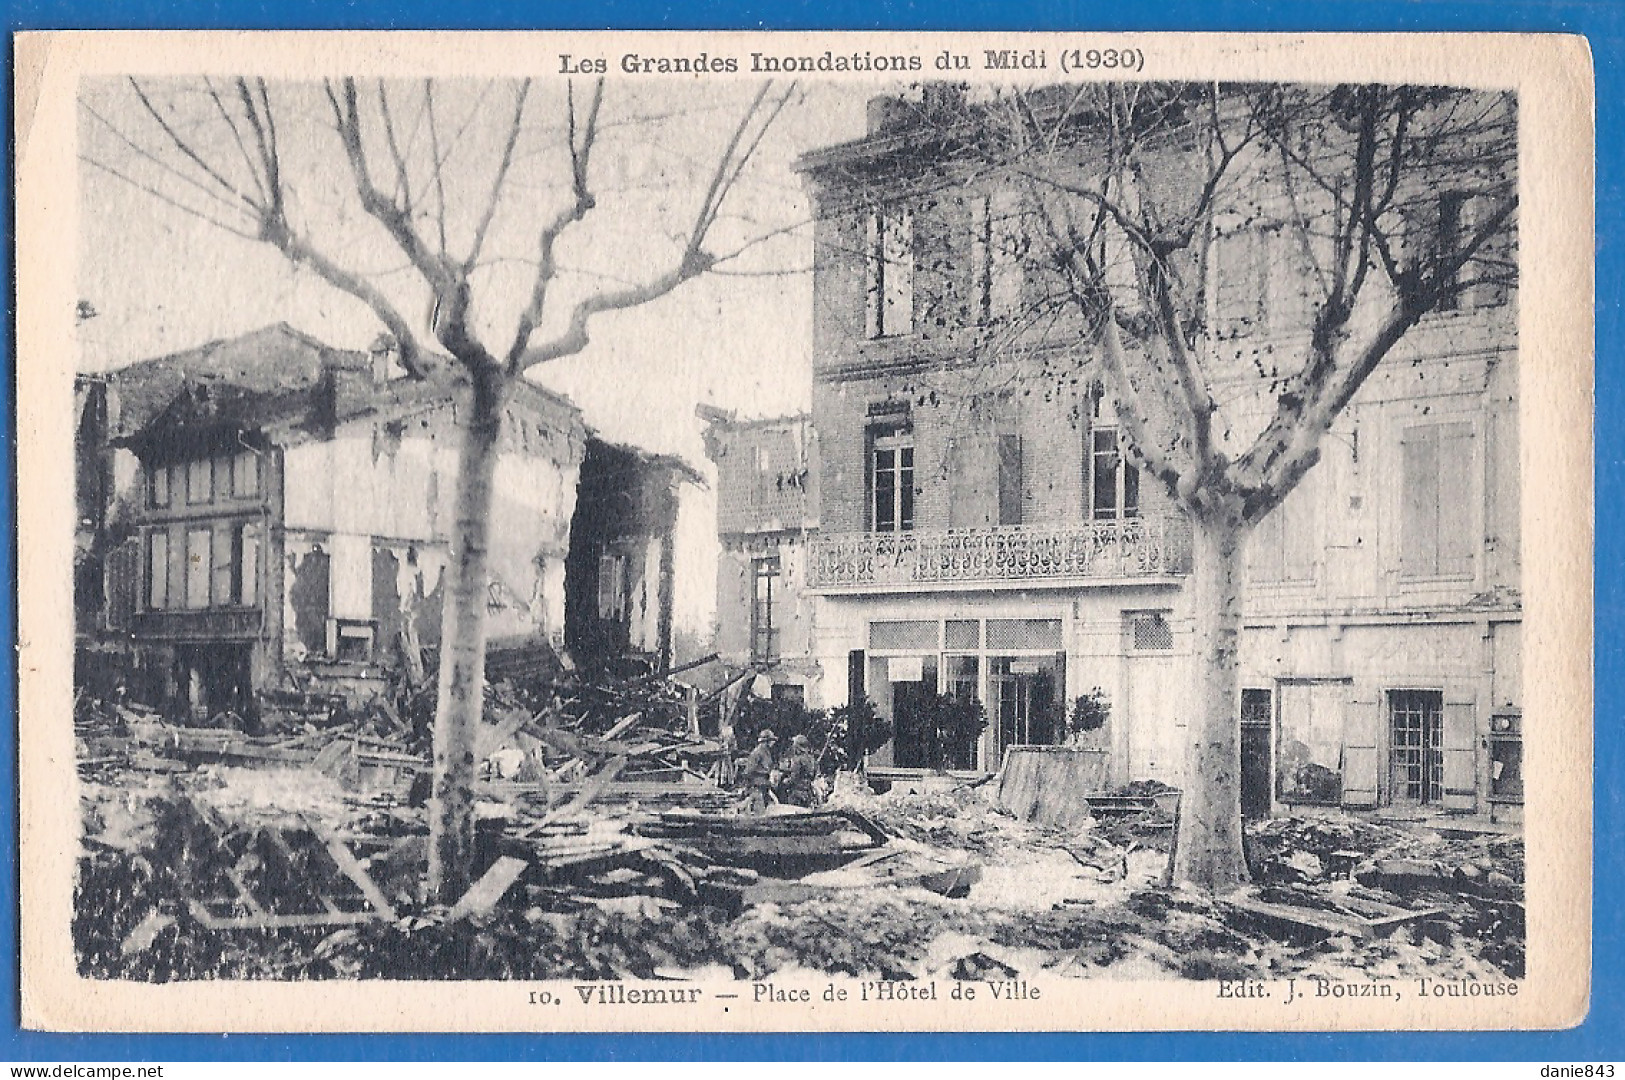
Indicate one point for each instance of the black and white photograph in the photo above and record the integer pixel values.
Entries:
(794, 530)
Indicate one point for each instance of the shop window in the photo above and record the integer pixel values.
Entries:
(1024, 634)
(911, 635)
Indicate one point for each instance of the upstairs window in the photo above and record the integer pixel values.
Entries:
(889, 273)
(1437, 529)
(891, 501)
(1282, 547)
(998, 245)
(1010, 486)
(199, 481)
(1114, 482)
(1450, 225)
(764, 636)
(158, 486)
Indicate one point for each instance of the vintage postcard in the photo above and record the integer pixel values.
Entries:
(777, 531)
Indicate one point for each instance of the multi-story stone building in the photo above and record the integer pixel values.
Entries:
(980, 532)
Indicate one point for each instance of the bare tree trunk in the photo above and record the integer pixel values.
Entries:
(1209, 854)
(459, 701)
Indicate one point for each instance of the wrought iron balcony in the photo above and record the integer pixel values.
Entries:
(1023, 554)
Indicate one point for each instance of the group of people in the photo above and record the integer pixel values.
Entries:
(789, 777)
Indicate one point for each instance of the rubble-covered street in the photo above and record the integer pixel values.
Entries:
(609, 851)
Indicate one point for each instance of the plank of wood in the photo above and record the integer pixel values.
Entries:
(621, 725)
(593, 788)
(210, 921)
(352, 869)
(484, 894)
(146, 931)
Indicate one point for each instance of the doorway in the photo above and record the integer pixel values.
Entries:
(1026, 707)
(1416, 736)
(214, 678)
(1257, 726)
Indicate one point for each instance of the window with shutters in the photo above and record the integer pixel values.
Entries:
(1281, 549)
(158, 593)
(891, 483)
(1417, 746)
(199, 553)
(1010, 486)
(1438, 529)
(998, 246)
(889, 273)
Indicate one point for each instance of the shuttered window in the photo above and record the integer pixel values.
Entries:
(1010, 487)
(1437, 531)
(889, 273)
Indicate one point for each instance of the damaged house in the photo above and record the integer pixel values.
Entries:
(767, 508)
(620, 580)
(279, 514)
(972, 528)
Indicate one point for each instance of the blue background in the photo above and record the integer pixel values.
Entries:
(1601, 21)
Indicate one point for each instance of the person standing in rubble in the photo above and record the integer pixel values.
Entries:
(756, 773)
(799, 772)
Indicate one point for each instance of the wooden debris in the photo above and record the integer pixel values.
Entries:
(1364, 919)
(484, 894)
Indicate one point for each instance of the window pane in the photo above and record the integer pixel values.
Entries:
(1024, 634)
(963, 634)
(885, 505)
(1131, 490)
(916, 635)
(905, 494)
(158, 477)
(1103, 484)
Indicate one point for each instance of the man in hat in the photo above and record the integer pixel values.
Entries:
(756, 774)
(800, 769)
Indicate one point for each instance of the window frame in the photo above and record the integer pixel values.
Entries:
(1125, 475)
(902, 513)
(889, 272)
(764, 642)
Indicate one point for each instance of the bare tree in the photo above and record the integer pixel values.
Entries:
(434, 171)
(1232, 262)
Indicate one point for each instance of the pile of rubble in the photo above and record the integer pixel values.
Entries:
(607, 847)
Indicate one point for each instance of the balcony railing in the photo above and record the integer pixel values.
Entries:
(1109, 550)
